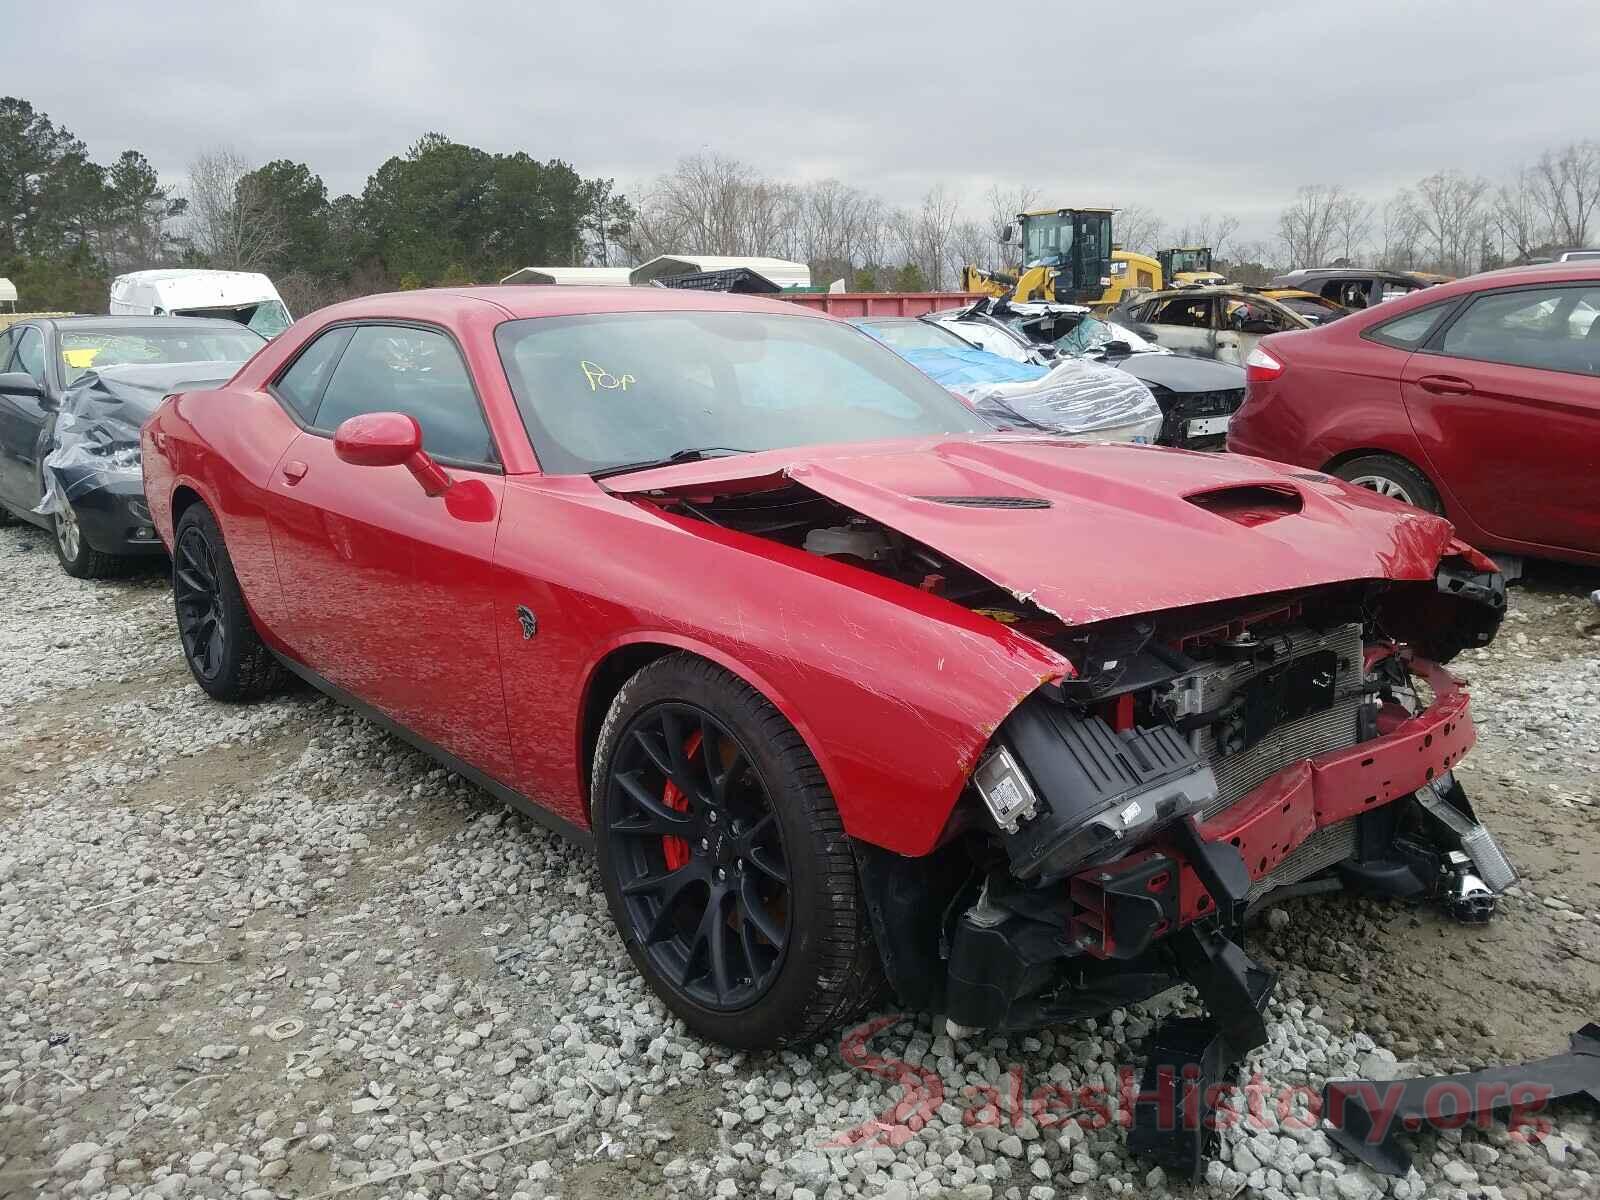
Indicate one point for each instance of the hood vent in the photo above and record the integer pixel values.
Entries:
(1250, 504)
(989, 501)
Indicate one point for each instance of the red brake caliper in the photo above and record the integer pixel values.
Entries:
(675, 849)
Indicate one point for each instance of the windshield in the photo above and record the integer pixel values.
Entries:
(1191, 260)
(911, 334)
(604, 390)
(1086, 337)
(269, 319)
(1046, 241)
(84, 350)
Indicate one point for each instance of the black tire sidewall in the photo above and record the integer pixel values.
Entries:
(774, 1018)
(226, 684)
(1401, 472)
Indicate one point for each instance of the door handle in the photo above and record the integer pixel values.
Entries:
(1445, 385)
(294, 471)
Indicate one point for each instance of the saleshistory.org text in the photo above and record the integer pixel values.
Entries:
(1176, 1100)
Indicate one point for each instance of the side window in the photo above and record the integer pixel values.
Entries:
(7, 337)
(30, 353)
(1252, 317)
(1410, 331)
(1549, 328)
(300, 387)
(396, 368)
(1195, 314)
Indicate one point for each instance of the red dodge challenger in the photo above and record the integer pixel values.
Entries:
(846, 689)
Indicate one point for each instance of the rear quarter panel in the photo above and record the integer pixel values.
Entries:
(1337, 395)
(223, 445)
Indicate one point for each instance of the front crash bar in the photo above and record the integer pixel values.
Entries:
(1123, 906)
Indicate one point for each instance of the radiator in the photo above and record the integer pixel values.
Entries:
(1332, 728)
(1328, 845)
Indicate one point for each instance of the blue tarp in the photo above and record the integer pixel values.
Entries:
(961, 369)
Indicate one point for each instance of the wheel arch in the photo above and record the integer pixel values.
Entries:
(623, 660)
(1348, 456)
(183, 497)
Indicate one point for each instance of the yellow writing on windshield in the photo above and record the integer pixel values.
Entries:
(599, 377)
(80, 360)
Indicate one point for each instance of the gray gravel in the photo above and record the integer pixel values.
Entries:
(270, 951)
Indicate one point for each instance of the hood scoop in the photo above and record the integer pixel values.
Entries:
(989, 501)
(1250, 504)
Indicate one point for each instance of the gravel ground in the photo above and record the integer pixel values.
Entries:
(270, 951)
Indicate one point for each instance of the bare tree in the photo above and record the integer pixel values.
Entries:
(230, 221)
(930, 235)
(1352, 226)
(1215, 230)
(1519, 217)
(1450, 214)
(1005, 206)
(1136, 228)
(970, 242)
(1307, 227)
(1566, 186)
(1398, 232)
(1251, 264)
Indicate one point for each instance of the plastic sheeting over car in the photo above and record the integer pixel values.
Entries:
(96, 437)
(1077, 398)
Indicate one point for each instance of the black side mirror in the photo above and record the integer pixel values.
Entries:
(1116, 348)
(1006, 234)
(23, 385)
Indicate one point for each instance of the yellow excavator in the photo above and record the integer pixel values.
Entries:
(1067, 257)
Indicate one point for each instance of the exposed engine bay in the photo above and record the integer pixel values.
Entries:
(1125, 818)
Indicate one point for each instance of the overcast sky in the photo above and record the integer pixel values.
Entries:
(1251, 100)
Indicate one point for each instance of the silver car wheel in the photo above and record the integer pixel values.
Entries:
(1384, 486)
(67, 533)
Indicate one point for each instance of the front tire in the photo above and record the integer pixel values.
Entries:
(725, 865)
(225, 654)
(1392, 477)
(77, 557)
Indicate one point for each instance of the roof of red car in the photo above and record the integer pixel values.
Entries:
(1555, 272)
(516, 302)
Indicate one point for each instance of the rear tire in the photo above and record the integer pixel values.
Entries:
(676, 862)
(77, 557)
(225, 654)
(1392, 477)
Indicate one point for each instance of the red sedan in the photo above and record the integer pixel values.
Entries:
(844, 688)
(1478, 399)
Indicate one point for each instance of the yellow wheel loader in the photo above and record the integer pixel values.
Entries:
(1067, 257)
(1188, 266)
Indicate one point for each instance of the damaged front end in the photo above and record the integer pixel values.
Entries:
(1199, 763)
(1214, 746)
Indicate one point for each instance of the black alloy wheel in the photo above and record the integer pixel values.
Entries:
(224, 651)
(197, 593)
(699, 856)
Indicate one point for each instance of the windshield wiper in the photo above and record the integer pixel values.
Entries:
(686, 455)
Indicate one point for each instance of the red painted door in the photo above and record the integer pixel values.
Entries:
(389, 591)
(1517, 445)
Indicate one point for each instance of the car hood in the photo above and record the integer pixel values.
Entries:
(134, 390)
(1182, 372)
(1125, 529)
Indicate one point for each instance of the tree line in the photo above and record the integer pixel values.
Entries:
(448, 213)
(441, 213)
(1448, 222)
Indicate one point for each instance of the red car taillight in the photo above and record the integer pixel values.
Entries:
(1259, 366)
